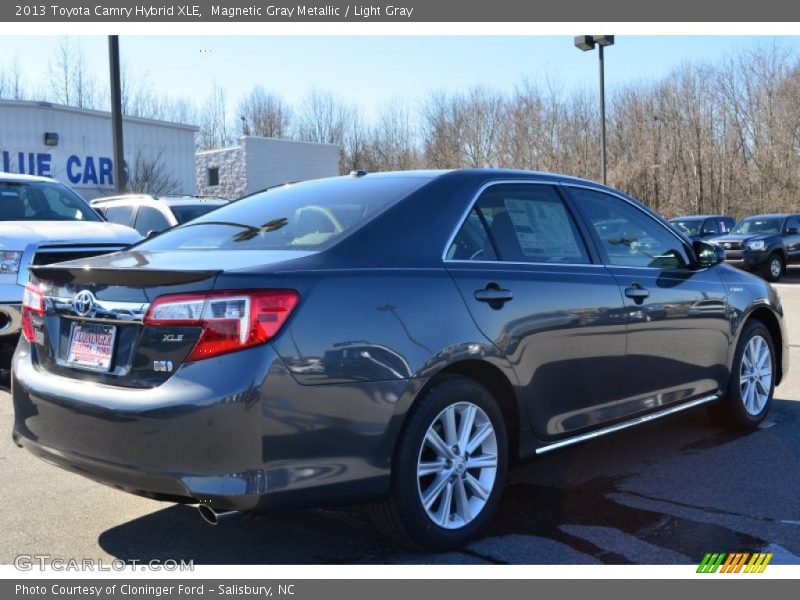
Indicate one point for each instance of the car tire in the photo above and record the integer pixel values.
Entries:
(773, 268)
(750, 390)
(468, 496)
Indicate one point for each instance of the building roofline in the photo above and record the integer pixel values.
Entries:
(96, 113)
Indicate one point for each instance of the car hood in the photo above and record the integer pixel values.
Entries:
(741, 237)
(16, 235)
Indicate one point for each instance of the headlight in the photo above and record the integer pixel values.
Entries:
(9, 261)
(757, 245)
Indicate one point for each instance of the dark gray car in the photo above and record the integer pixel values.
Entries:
(394, 339)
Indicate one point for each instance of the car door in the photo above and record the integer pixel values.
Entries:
(678, 330)
(536, 289)
(791, 239)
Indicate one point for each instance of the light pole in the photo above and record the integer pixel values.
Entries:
(116, 113)
(588, 42)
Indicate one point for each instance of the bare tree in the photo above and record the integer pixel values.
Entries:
(214, 129)
(264, 114)
(72, 83)
(149, 175)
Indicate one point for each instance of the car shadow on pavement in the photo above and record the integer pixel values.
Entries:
(581, 505)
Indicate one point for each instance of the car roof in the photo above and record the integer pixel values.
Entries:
(168, 200)
(771, 216)
(17, 177)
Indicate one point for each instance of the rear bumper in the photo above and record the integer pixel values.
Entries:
(235, 432)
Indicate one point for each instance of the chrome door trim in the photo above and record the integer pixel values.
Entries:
(626, 424)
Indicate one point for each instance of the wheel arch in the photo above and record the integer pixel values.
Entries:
(499, 386)
(768, 318)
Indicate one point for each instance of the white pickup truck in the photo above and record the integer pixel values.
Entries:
(42, 221)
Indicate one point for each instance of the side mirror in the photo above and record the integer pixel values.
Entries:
(708, 254)
(791, 231)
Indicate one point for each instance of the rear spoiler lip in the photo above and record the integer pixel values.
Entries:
(116, 276)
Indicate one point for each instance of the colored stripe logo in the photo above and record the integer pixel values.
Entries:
(737, 562)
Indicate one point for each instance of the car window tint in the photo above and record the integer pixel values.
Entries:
(119, 214)
(472, 242)
(628, 236)
(530, 223)
(304, 216)
(711, 226)
(150, 219)
(793, 222)
(186, 212)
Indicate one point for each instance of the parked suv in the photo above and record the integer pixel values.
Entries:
(153, 214)
(763, 243)
(702, 227)
(42, 221)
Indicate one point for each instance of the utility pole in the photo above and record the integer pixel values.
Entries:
(116, 113)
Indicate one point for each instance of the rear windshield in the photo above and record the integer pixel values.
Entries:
(304, 216)
(187, 212)
(42, 201)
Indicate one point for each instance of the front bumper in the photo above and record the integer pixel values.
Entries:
(748, 260)
(235, 432)
(10, 311)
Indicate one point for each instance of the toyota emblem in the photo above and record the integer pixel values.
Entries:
(83, 303)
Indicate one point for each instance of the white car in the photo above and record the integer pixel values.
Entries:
(42, 221)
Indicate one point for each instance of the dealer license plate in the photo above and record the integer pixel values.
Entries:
(91, 346)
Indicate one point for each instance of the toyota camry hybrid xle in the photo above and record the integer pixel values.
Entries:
(390, 339)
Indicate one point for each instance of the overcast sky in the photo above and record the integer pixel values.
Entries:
(374, 70)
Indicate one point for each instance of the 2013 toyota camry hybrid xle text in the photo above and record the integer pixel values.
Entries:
(394, 339)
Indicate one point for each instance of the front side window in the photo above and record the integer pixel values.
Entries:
(42, 201)
(710, 227)
(793, 223)
(628, 236)
(520, 223)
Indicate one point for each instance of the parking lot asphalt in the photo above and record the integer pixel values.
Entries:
(663, 493)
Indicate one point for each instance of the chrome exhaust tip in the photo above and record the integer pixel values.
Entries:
(215, 517)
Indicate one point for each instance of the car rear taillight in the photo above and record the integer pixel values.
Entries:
(32, 303)
(230, 320)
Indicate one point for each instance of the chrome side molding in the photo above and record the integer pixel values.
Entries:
(626, 424)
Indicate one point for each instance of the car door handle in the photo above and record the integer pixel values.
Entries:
(493, 295)
(637, 293)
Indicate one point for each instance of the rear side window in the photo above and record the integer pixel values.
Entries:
(119, 214)
(150, 219)
(520, 223)
(187, 212)
(304, 216)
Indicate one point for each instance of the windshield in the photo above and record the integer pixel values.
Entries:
(42, 201)
(759, 225)
(303, 216)
(687, 227)
(187, 212)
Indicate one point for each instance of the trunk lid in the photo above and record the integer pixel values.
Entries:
(101, 302)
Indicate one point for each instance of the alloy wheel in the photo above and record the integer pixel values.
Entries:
(755, 376)
(457, 465)
(775, 268)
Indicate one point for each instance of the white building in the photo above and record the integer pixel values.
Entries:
(74, 146)
(257, 163)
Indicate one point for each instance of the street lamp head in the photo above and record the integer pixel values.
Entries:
(604, 40)
(584, 42)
